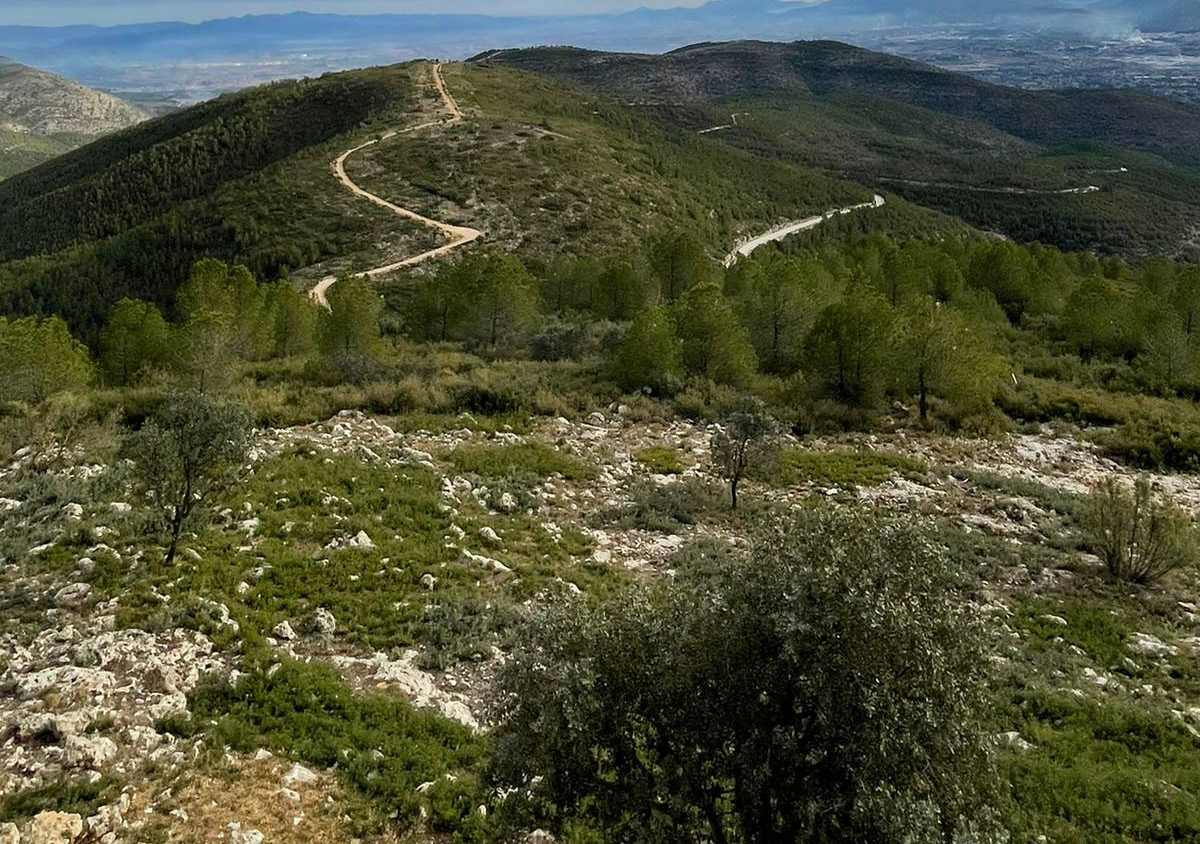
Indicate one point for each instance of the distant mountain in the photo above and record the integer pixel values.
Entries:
(43, 115)
(707, 72)
(329, 41)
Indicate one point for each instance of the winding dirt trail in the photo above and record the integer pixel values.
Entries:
(746, 248)
(459, 236)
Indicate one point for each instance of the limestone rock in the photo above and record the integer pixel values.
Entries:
(52, 828)
(299, 775)
(283, 630)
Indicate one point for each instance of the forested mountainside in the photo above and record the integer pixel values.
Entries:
(246, 177)
(1111, 171)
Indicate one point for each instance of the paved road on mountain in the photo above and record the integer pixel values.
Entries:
(746, 249)
(458, 236)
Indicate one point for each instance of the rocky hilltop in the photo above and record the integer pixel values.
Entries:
(43, 103)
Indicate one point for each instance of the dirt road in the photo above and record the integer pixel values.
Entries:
(1008, 191)
(458, 235)
(746, 249)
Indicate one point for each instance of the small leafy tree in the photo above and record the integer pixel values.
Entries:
(830, 688)
(135, 339)
(714, 342)
(350, 328)
(678, 263)
(1140, 538)
(503, 303)
(648, 357)
(744, 440)
(38, 358)
(186, 454)
(936, 352)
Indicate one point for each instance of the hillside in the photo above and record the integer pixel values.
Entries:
(43, 115)
(247, 177)
(969, 148)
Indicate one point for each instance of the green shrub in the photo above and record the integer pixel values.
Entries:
(660, 459)
(380, 745)
(1155, 444)
(66, 795)
(524, 459)
(844, 469)
(830, 688)
(1139, 537)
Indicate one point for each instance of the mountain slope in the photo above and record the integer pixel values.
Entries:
(1109, 171)
(537, 167)
(42, 115)
(708, 72)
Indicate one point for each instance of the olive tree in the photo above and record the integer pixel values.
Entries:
(187, 453)
(829, 688)
(744, 440)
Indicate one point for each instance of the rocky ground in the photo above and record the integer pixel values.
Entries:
(82, 696)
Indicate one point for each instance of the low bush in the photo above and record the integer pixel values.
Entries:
(380, 745)
(843, 469)
(511, 460)
(1139, 537)
(660, 459)
(830, 688)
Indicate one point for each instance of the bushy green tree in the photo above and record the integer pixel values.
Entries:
(206, 351)
(350, 326)
(502, 302)
(847, 351)
(189, 452)
(713, 341)
(38, 358)
(936, 352)
(778, 304)
(1096, 318)
(136, 339)
(648, 357)
(292, 316)
(678, 263)
(437, 305)
(233, 293)
(831, 688)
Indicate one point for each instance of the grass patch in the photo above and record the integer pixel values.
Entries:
(1112, 772)
(291, 565)
(514, 460)
(844, 468)
(65, 795)
(661, 459)
(381, 747)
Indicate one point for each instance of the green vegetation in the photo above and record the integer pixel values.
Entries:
(1139, 537)
(661, 459)
(381, 746)
(845, 469)
(189, 452)
(853, 712)
(529, 458)
(66, 795)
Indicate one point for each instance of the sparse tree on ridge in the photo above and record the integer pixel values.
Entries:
(189, 452)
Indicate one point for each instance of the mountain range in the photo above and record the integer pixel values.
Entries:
(81, 49)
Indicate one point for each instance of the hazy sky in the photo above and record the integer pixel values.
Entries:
(60, 12)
